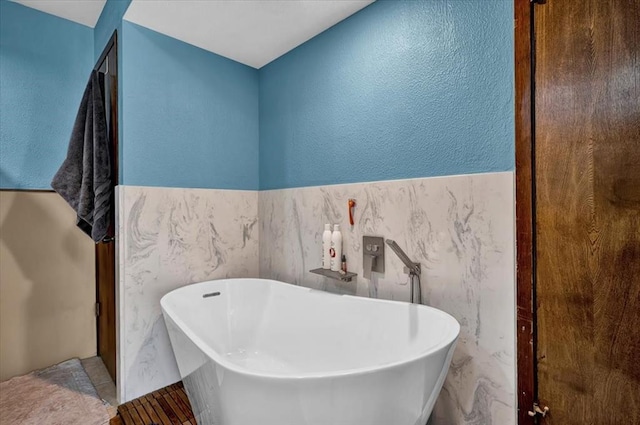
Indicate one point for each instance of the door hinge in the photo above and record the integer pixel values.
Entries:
(97, 309)
(538, 410)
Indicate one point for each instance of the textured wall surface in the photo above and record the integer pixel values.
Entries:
(47, 284)
(167, 238)
(190, 116)
(398, 90)
(44, 66)
(460, 228)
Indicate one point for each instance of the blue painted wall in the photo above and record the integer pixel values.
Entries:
(401, 89)
(45, 63)
(190, 116)
(110, 20)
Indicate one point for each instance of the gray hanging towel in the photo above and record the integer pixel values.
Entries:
(84, 178)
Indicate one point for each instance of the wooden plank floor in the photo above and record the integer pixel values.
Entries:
(167, 406)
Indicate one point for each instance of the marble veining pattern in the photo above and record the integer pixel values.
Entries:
(460, 228)
(167, 238)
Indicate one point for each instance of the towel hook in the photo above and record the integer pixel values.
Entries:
(352, 205)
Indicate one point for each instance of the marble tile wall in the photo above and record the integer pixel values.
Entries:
(167, 238)
(460, 228)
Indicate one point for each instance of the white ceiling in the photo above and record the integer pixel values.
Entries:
(253, 32)
(85, 12)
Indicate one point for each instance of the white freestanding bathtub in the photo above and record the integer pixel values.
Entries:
(262, 352)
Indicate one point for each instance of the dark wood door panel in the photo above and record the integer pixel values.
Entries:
(105, 276)
(587, 149)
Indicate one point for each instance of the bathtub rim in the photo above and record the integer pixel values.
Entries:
(213, 354)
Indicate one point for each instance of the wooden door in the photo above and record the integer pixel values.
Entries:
(587, 210)
(107, 65)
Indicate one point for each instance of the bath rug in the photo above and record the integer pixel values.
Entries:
(58, 395)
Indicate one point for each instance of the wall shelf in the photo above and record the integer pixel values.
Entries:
(334, 275)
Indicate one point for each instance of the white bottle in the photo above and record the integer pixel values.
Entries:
(336, 248)
(326, 247)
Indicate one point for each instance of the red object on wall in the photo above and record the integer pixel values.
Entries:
(352, 204)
